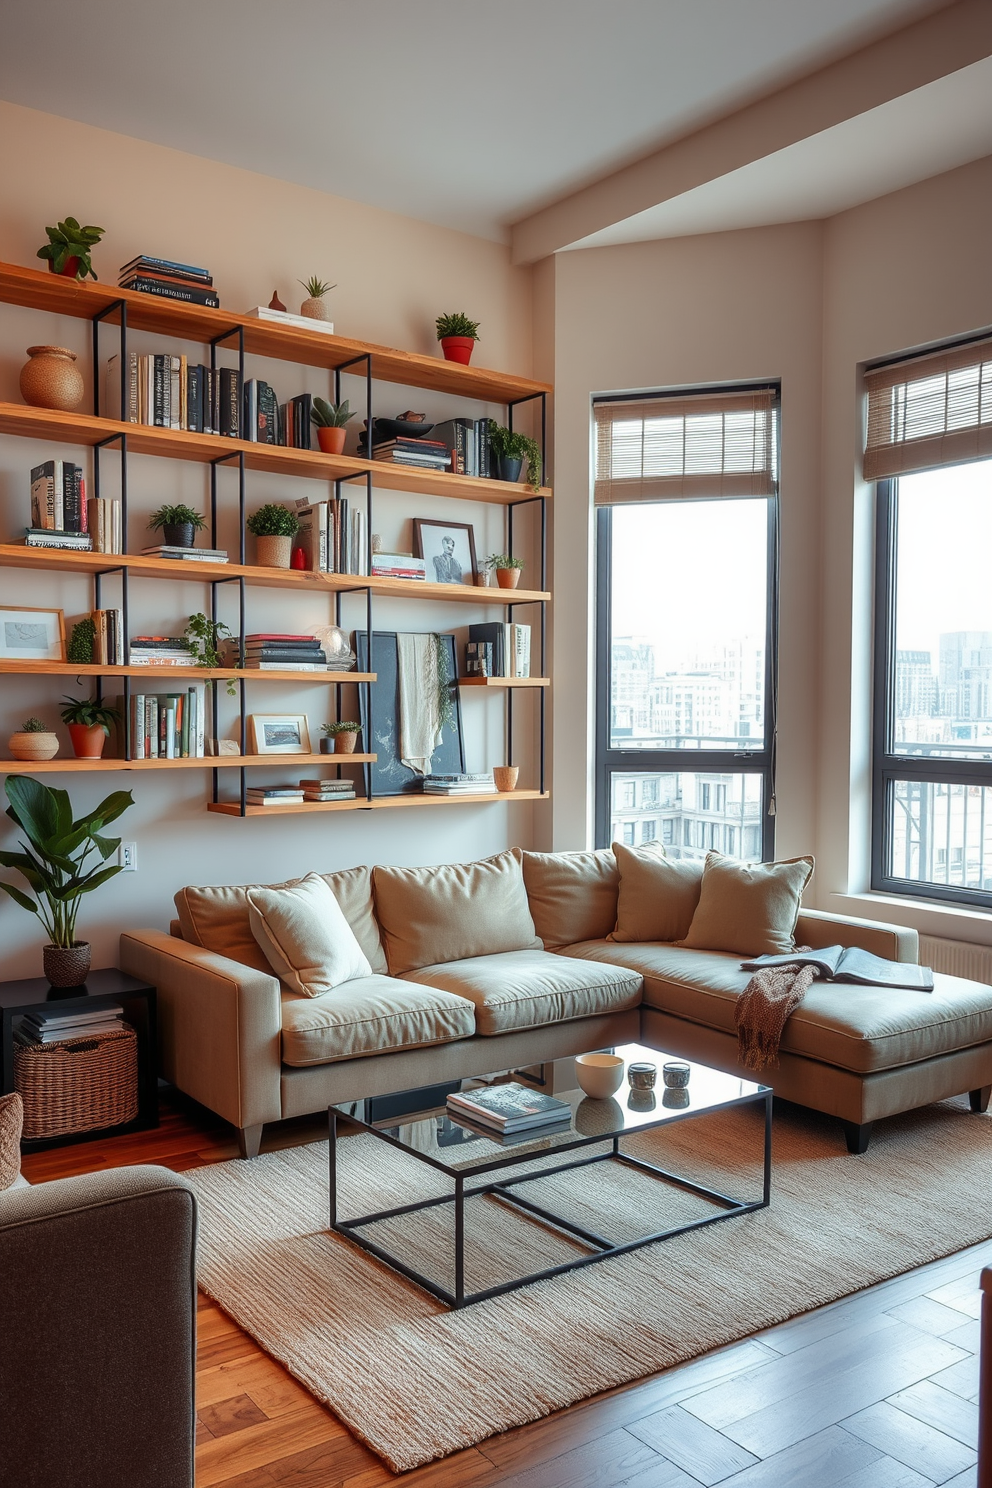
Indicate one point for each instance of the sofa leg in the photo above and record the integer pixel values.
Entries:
(249, 1140)
(857, 1136)
(979, 1099)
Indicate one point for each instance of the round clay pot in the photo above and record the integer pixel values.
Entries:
(69, 270)
(67, 966)
(315, 309)
(179, 534)
(51, 378)
(331, 441)
(458, 349)
(508, 467)
(508, 578)
(505, 777)
(28, 746)
(345, 743)
(273, 552)
(88, 740)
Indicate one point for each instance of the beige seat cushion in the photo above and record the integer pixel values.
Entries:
(862, 1029)
(445, 913)
(528, 989)
(572, 895)
(305, 936)
(216, 917)
(374, 1015)
(657, 896)
(750, 909)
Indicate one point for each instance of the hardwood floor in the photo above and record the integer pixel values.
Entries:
(878, 1390)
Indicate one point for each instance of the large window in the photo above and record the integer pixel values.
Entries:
(932, 788)
(685, 655)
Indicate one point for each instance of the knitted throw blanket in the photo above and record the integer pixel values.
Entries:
(762, 1009)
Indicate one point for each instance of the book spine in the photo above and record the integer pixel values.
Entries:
(191, 294)
(201, 719)
(138, 726)
(230, 403)
(175, 393)
(72, 515)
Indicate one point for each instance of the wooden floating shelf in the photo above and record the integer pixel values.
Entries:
(208, 762)
(62, 296)
(504, 681)
(232, 808)
(200, 674)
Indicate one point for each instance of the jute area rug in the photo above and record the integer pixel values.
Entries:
(417, 1382)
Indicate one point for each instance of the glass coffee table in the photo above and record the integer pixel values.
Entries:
(479, 1163)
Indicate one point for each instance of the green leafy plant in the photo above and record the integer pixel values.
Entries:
(81, 642)
(342, 727)
(204, 638)
(53, 860)
(273, 520)
(326, 416)
(445, 704)
(90, 713)
(316, 288)
(176, 516)
(506, 444)
(456, 324)
(69, 240)
(35, 726)
(503, 560)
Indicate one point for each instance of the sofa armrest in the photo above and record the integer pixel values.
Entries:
(892, 942)
(219, 1025)
(98, 1330)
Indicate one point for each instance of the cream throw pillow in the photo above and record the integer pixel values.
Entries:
(748, 908)
(306, 939)
(658, 895)
(572, 895)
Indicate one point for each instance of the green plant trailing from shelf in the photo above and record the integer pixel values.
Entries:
(90, 713)
(273, 520)
(506, 444)
(81, 642)
(35, 726)
(316, 288)
(326, 416)
(53, 860)
(176, 516)
(203, 637)
(445, 705)
(69, 240)
(503, 560)
(456, 324)
(343, 727)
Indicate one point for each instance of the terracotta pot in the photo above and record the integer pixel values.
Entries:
(27, 746)
(345, 743)
(273, 552)
(508, 578)
(179, 534)
(505, 777)
(51, 378)
(67, 966)
(315, 309)
(458, 348)
(331, 441)
(88, 740)
(69, 270)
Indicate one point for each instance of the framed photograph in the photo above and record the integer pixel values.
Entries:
(449, 548)
(388, 774)
(31, 635)
(278, 733)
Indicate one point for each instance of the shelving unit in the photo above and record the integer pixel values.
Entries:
(244, 335)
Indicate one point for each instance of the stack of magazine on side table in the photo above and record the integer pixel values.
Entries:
(43, 1027)
(509, 1110)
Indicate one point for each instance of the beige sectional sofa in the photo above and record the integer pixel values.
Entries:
(519, 959)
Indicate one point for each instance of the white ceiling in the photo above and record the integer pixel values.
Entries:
(466, 113)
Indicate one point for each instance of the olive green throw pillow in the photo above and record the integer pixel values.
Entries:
(748, 908)
(658, 895)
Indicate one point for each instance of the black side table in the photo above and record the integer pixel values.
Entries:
(102, 989)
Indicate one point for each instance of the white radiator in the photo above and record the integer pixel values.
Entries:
(956, 958)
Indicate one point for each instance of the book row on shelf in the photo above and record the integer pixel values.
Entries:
(62, 516)
(169, 725)
(498, 648)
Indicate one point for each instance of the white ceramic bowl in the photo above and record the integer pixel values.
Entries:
(599, 1075)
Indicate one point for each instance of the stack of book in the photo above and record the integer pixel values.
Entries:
(284, 653)
(59, 512)
(169, 726)
(333, 537)
(460, 445)
(503, 649)
(328, 790)
(43, 1027)
(274, 795)
(106, 524)
(171, 393)
(163, 651)
(426, 454)
(507, 1109)
(171, 281)
(186, 555)
(460, 785)
(398, 566)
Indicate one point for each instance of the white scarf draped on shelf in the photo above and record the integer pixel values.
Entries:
(420, 704)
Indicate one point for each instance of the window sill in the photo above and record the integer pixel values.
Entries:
(929, 917)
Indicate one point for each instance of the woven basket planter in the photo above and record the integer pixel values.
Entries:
(80, 1084)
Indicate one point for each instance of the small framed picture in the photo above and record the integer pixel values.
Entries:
(449, 548)
(31, 635)
(278, 733)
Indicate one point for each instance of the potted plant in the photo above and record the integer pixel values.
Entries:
(82, 641)
(179, 524)
(330, 424)
(509, 450)
(339, 738)
(89, 725)
(274, 526)
(457, 335)
(33, 741)
(313, 306)
(68, 248)
(54, 863)
(507, 569)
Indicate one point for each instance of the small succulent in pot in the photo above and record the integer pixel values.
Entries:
(340, 738)
(274, 526)
(507, 569)
(89, 725)
(509, 450)
(179, 524)
(330, 421)
(457, 335)
(313, 306)
(68, 248)
(33, 741)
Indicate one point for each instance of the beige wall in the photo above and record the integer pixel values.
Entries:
(394, 276)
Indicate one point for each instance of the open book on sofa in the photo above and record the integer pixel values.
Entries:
(851, 964)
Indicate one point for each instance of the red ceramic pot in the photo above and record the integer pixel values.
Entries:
(87, 740)
(331, 441)
(458, 348)
(69, 269)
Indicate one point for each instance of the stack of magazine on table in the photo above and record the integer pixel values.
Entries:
(508, 1110)
(43, 1027)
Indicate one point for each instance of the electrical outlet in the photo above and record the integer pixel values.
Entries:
(127, 857)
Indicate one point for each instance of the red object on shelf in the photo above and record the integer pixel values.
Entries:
(298, 558)
(458, 348)
(69, 270)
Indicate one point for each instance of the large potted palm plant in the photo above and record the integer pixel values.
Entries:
(58, 865)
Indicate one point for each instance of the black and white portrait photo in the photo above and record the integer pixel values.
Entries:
(448, 549)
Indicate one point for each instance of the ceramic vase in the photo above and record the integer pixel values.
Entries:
(67, 966)
(505, 777)
(315, 309)
(33, 746)
(508, 578)
(273, 552)
(332, 440)
(51, 378)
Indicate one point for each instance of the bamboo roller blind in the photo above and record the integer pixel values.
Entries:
(700, 444)
(930, 410)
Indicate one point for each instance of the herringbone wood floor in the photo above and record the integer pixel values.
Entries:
(877, 1391)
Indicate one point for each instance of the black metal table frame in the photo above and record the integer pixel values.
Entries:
(501, 1190)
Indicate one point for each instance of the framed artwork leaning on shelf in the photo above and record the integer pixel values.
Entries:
(383, 732)
(278, 733)
(449, 548)
(31, 635)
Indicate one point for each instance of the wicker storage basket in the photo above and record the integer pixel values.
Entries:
(80, 1084)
